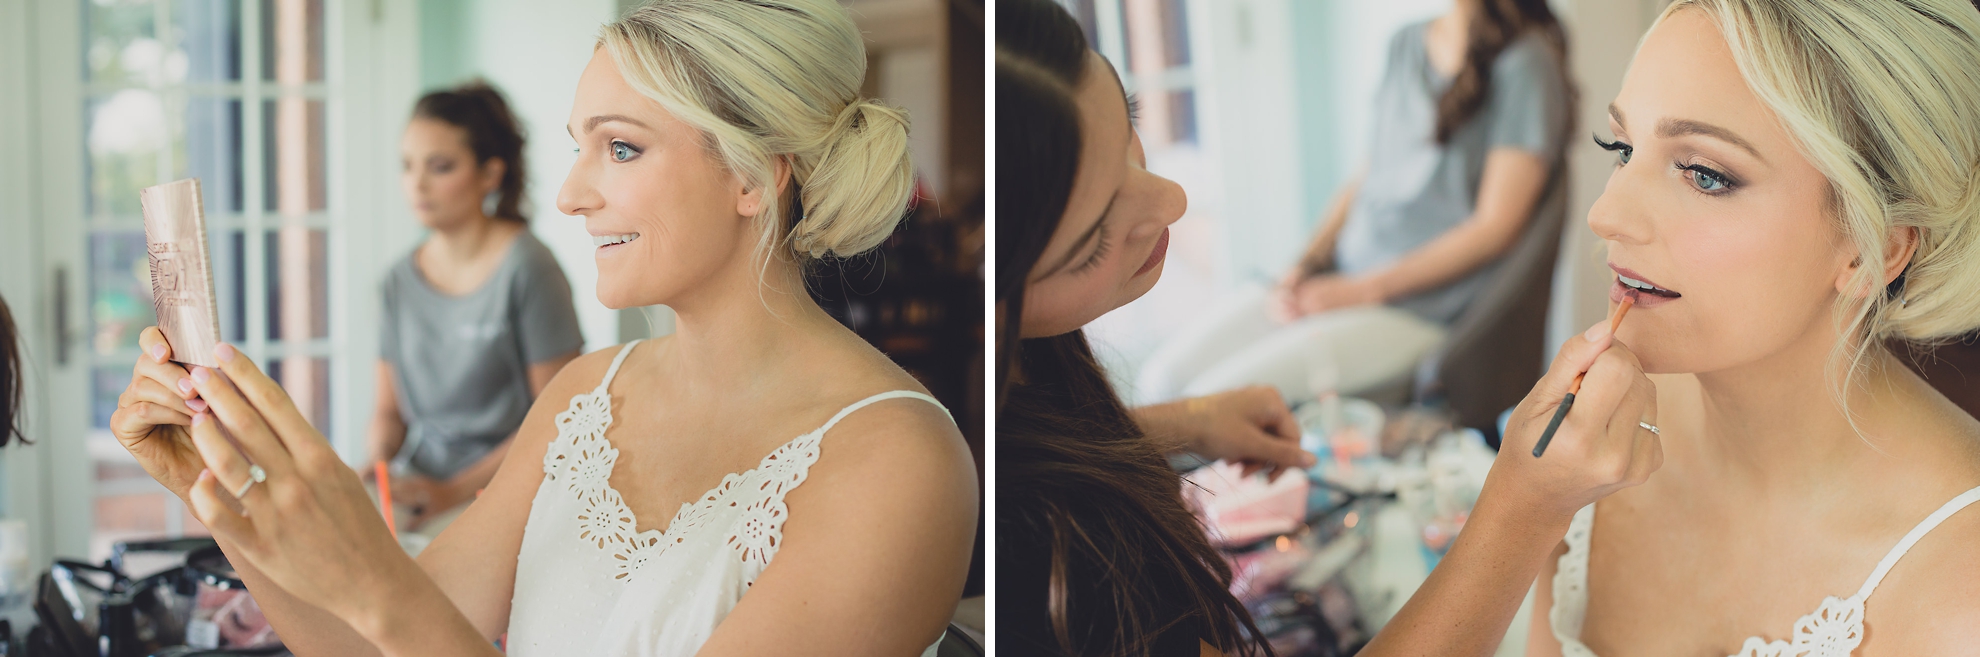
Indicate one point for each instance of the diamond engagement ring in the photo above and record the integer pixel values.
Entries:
(257, 475)
(1651, 427)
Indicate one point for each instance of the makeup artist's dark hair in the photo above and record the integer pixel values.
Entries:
(1496, 25)
(1073, 468)
(10, 378)
(492, 132)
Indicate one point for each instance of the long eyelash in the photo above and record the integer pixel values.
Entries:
(1134, 110)
(1612, 146)
(1099, 252)
(1702, 170)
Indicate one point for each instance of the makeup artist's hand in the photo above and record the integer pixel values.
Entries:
(1249, 425)
(1599, 448)
(308, 526)
(154, 413)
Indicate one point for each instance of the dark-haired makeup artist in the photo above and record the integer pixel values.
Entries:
(1097, 554)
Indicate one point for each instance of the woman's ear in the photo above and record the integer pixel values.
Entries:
(750, 203)
(1899, 246)
(492, 172)
(1898, 251)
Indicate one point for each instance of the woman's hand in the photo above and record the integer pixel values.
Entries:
(1249, 425)
(428, 497)
(154, 414)
(308, 524)
(1333, 292)
(1600, 448)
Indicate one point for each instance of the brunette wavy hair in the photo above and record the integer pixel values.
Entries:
(1496, 25)
(11, 399)
(1073, 468)
(492, 132)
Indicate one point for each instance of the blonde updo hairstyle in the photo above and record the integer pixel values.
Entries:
(769, 80)
(1882, 97)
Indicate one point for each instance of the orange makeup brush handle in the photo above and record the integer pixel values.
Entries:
(1615, 322)
(385, 495)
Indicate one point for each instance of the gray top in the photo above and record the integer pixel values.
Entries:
(462, 362)
(1415, 189)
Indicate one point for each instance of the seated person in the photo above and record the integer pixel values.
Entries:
(477, 319)
(1467, 138)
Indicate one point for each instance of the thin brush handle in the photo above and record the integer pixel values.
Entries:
(1553, 425)
(1567, 402)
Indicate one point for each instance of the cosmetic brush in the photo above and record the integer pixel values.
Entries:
(385, 494)
(1575, 386)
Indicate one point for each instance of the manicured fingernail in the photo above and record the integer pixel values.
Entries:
(224, 352)
(185, 385)
(201, 374)
(197, 405)
(158, 352)
(198, 418)
(1596, 332)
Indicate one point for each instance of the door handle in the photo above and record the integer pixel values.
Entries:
(61, 316)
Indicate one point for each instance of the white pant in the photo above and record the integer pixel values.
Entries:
(1237, 344)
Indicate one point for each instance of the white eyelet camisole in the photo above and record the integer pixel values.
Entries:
(588, 583)
(1833, 630)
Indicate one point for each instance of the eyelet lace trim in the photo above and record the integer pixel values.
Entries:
(582, 459)
(1835, 629)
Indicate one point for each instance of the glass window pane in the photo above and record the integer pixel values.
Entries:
(119, 292)
(293, 162)
(307, 380)
(298, 284)
(213, 153)
(121, 42)
(106, 383)
(229, 249)
(1182, 116)
(210, 36)
(139, 137)
(132, 136)
(292, 41)
(1175, 33)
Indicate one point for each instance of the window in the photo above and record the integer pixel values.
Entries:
(235, 93)
(1152, 37)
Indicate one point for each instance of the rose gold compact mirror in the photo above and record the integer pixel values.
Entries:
(181, 270)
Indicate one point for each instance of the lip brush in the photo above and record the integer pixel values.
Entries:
(1574, 387)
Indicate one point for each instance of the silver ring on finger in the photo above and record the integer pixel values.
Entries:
(255, 475)
(1651, 427)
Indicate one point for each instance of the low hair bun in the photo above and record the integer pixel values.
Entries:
(857, 185)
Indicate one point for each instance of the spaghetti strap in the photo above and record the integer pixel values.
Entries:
(616, 362)
(896, 394)
(1932, 521)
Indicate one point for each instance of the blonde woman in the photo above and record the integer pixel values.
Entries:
(1796, 183)
(760, 483)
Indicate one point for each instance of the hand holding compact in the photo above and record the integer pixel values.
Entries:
(154, 416)
(307, 523)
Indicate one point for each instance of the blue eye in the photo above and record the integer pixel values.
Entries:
(622, 151)
(1707, 180)
(1622, 150)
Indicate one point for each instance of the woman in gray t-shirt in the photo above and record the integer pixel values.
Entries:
(477, 319)
(1471, 119)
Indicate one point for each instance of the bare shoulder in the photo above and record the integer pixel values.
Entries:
(1929, 604)
(904, 445)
